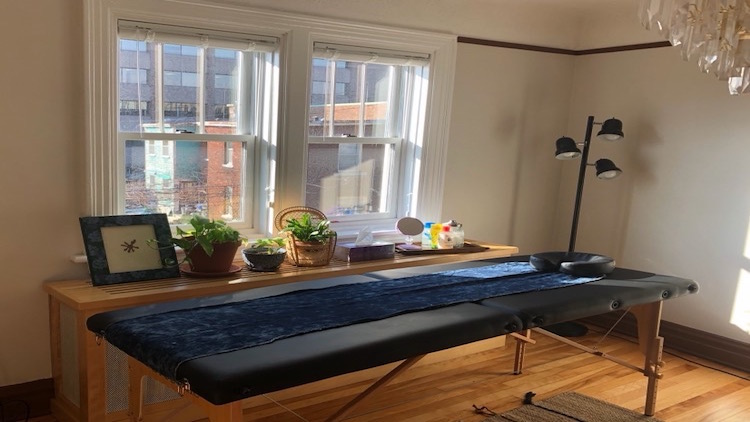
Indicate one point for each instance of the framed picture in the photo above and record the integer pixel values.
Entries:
(123, 248)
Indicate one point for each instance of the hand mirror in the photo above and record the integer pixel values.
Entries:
(409, 227)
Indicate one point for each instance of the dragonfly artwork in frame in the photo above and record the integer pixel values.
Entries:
(119, 248)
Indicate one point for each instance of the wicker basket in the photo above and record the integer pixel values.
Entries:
(296, 212)
(305, 254)
(309, 254)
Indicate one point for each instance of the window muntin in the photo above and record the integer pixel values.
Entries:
(361, 114)
(132, 45)
(133, 108)
(174, 78)
(194, 122)
(182, 50)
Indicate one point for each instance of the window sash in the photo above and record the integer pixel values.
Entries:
(389, 184)
(249, 86)
(403, 122)
(249, 142)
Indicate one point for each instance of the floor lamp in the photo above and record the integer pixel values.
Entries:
(567, 149)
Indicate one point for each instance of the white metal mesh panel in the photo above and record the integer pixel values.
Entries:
(116, 363)
(69, 355)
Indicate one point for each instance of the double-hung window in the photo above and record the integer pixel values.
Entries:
(235, 113)
(365, 120)
(193, 106)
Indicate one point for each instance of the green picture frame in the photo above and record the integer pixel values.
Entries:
(119, 248)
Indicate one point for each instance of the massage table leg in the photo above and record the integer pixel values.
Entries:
(385, 379)
(649, 320)
(137, 372)
(232, 412)
(521, 341)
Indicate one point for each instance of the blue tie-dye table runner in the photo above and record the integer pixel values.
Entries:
(163, 341)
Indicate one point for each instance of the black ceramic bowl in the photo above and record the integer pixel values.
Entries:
(262, 260)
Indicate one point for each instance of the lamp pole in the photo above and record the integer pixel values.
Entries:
(581, 178)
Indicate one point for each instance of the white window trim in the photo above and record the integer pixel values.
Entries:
(442, 51)
(298, 34)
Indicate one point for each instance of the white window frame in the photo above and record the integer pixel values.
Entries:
(403, 116)
(411, 150)
(106, 144)
(245, 121)
(281, 162)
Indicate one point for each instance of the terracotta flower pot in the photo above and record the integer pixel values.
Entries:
(219, 262)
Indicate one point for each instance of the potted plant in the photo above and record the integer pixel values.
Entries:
(210, 245)
(310, 241)
(265, 254)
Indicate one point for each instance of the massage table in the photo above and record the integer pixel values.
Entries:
(218, 382)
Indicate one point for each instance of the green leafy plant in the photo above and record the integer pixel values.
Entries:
(205, 232)
(269, 245)
(309, 229)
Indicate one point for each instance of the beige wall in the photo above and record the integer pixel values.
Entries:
(41, 107)
(681, 207)
(552, 23)
(501, 179)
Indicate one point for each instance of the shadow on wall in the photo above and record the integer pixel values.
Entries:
(643, 136)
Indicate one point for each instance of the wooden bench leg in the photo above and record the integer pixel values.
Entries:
(136, 378)
(231, 412)
(649, 320)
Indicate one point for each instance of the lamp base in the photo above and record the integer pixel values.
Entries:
(567, 329)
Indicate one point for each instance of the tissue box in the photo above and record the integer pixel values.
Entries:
(351, 253)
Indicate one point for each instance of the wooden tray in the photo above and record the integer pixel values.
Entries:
(416, 250)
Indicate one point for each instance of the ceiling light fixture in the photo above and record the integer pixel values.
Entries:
(713, 33)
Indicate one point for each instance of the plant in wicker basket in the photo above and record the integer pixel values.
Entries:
(310, 240)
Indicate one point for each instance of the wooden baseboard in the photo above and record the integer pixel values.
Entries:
(701, 344)
(34, 396)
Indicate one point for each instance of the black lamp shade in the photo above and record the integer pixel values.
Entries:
(611, 130)
(567, 149)
(606, 169)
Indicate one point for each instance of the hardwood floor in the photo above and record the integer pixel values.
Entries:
(445, 386)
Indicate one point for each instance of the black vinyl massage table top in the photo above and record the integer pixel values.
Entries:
(226, 377)
(618, 290)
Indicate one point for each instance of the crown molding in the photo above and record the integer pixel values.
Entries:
(554, 50)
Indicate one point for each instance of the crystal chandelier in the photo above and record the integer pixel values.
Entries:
(713, 33)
